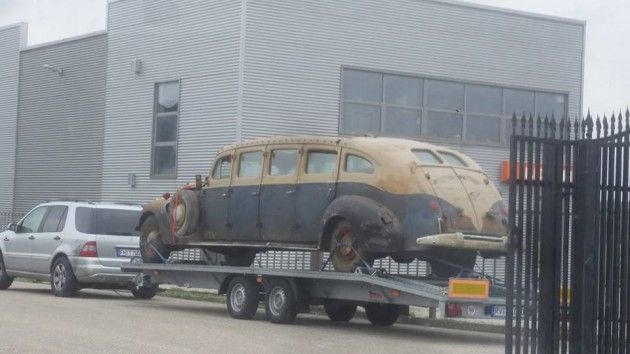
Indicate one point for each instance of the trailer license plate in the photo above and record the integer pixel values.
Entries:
(498, 311)
(128, 252)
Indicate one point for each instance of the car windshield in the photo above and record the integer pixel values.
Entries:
(115, 222)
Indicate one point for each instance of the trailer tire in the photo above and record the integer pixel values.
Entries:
(186, 213)
(5, 279)
(242, 297)
(144, 292)
(382, 315)
(280, 302)
(340, 311)
(151, 240)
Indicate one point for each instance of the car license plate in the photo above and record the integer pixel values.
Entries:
(498, 311)
(127, 252)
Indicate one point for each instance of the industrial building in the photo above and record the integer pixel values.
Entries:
(140, 108)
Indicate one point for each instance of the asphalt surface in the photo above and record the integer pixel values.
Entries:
(33, 320)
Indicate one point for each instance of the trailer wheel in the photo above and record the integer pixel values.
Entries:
(340, 311)
(242, 297)
(345, 250)
(280, 303)
(382, 315)
(150, 241)
(144, 292)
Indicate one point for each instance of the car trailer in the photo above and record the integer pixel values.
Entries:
(288, 292)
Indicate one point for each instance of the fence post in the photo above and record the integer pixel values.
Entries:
(586, 215)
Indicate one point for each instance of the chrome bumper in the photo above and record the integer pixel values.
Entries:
(460, 240)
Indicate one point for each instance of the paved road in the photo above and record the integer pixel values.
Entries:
(32, 320)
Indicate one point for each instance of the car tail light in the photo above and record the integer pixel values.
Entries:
(89, 250)
(166, 195)
(453, 310)
(434, 205)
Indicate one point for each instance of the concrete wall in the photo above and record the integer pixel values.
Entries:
(60, 126)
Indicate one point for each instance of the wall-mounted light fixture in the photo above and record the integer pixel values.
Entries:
(58, 71)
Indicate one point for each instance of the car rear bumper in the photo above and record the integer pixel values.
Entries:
(463, 241)
(90, 270)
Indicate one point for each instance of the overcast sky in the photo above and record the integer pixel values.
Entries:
(607, 71)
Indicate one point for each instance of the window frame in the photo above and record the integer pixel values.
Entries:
(504, 118)
(330, 151)
(174, 144)
(271, 149)
(217, 163)
(345, 164)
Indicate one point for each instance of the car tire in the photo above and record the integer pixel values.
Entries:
(239, 258)
(187, 216)
(464, 259)
(280, 303)
(346, 252)
(144, 292)
(243, 297)
(151, 240)
(62, 279)
(382, 315)
(5, 279)
(340, 311)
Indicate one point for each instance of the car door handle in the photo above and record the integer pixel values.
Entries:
(31, 237)
(256, 193)
(57, 238)
(6, 239)
(291, 192)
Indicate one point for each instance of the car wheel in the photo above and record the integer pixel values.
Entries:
(464, 260)
(280, 303)
(144, 292)
(186, 212)
(382, 315)
(242, 297)
(151, 242)
(340, 311)
(345, 251)
(62, 279)
(5, 279)
(240, 257)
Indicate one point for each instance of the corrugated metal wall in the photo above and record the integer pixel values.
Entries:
(12, 38)
(195, 41)
(60, 127)
(294, 51)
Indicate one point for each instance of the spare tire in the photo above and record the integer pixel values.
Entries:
(184, 212)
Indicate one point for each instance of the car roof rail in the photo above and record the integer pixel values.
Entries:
(70, 200)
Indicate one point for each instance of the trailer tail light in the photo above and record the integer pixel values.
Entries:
(434, 205)
(89, 250)
(453, 310)
(166, 195)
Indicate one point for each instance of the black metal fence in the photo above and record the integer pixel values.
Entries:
(567, 269)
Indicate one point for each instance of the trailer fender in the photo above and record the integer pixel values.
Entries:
(377, 226)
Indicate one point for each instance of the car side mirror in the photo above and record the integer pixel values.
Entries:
(12, 227)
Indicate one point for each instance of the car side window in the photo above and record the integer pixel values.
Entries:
(250, 164)
(321, 162)
(427, 157)
(33, 220)
(357, 164)
(85, 220)
(283, 162)
(222, 168)
(452, 159)
(56, 219)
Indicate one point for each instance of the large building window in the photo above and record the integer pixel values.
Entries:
(166, 115)
(407, 106)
